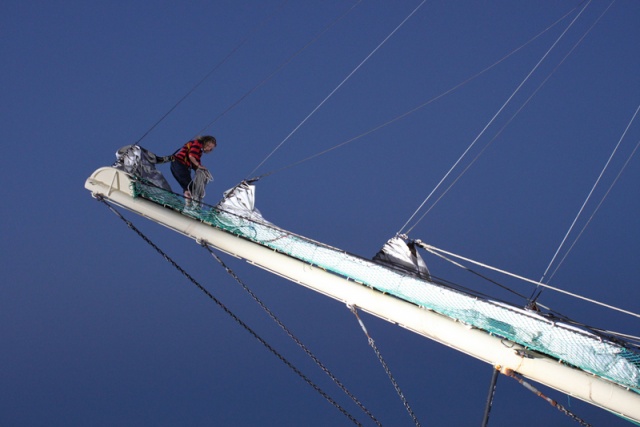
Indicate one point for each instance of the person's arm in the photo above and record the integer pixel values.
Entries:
(165, 159)
(195, 155)
(195, 162)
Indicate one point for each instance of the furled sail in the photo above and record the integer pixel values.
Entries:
(140, 162)
(579, 347)
(397, 253)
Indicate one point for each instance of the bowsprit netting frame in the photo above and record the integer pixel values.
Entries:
(572, 345)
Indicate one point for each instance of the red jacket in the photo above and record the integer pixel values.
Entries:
(192, 148)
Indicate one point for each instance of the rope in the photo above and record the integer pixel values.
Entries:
(230, 313)
(490, 122)
(510, 373)
(424, 104)
(289, 333)
(384, 365)
(199, 183)
(218, 65)
(279, 68)
(590, 193)
(457, 264)
(339, 86)
(435, 251)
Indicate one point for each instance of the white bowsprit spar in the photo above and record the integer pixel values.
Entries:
(573, 360)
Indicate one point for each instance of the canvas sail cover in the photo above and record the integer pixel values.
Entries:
(396, 271)
(399, 254)
(241, 201)
(396, 253)
(140, 162)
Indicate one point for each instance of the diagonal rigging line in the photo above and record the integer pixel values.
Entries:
(438, 251)
(591, 193)
(422, 105)
(279, 67)
(339, 86)
(218, 65)
(289, 333)
(508, 122)
(429, 248)
(493, 119)
(596, 210)
(230, 313)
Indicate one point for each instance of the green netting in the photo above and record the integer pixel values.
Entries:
(572, 345)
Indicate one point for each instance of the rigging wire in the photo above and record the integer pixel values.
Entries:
(338, 87)
(213, 70)
(289, 333)
(401, 231)
(229, 312)
(436, 251)
(372, 343)
(627, 337)
(429, 249)
(280, 67)
(590, 194)
(595, 210)
(422, 105)
(508, 122)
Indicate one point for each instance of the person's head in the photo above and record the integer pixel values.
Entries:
(208, 143)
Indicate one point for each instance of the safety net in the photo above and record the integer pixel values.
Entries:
(611, 359)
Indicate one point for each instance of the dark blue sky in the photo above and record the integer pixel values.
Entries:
(97, 329)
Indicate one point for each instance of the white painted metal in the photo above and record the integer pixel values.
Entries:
(115, 186)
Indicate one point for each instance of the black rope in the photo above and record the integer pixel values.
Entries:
(230, 313)
(384, 365)
(492, 392)
(289, 333)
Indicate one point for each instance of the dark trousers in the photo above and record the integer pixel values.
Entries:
(182, 174)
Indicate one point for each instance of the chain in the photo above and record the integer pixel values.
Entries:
(384, 365)
(511, 373)
(230, 313)
(290, 334)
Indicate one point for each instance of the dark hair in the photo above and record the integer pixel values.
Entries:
(207, 138)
